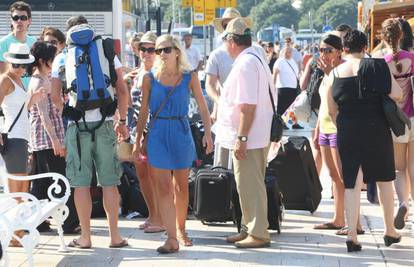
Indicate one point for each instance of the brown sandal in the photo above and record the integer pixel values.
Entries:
(166, 249)
(183, 239)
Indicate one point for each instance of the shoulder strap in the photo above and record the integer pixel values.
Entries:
(17, 118)
(164, 102)
(294, 72)
(109, 51)
(270, 90)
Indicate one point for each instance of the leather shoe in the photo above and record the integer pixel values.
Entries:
(252, 242)
(237, 237)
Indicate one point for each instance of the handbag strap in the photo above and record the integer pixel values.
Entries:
(164, 102)
(17, 118)
(270, 90)
(294, 72)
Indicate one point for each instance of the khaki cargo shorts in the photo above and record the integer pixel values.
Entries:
(101, 153)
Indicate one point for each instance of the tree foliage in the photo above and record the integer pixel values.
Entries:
(271, 11)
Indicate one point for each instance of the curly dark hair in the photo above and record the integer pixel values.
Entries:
(354, 41)
(41, 50)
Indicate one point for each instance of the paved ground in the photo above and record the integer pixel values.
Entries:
(297, 245)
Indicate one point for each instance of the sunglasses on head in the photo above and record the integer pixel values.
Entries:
(16, 66)
(166, 50)
(326, 50)
(150, 50)
(17, 17)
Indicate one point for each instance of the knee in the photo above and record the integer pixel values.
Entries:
(165, 187)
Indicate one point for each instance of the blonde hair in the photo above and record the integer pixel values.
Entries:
(182, 62)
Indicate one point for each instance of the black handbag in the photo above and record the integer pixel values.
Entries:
(5, 136)
(395, 116)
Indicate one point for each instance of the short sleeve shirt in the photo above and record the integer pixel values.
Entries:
(247, 83)
(193, 56)
(219, 64)
(5, 43)
(288, 73)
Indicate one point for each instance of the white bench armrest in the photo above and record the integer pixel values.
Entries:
(28, 207)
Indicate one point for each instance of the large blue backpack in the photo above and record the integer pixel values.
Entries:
(87, 73)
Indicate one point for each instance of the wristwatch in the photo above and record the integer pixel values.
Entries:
(242, 138)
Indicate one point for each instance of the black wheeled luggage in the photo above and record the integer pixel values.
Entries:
(213, 194)
(297, 176)
(274, 203)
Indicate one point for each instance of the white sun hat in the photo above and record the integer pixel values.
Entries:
(18, 54)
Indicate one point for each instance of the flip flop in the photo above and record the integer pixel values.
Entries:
(164, 249)
(123, 243)
(154, 229)
(75, 244)
(327, 226)
(144, 225)
(344, 231)
(184, 240)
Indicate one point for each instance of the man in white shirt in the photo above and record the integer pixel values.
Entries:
(297, 56)
(243, 126)
(193, 55)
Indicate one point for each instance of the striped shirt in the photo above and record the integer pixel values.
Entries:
(39, 113)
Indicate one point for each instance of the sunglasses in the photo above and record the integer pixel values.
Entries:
(326, 50)
(52, 42)
(166, 50)
(16, 66)
(150, 50)
(22, 17)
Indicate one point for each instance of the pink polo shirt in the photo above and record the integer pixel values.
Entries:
(247, 83)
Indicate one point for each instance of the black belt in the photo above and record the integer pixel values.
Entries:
(173, 118)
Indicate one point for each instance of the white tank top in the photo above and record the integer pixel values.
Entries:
(11, 105)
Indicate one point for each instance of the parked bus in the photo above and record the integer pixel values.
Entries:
(279, 34)
(110, 18)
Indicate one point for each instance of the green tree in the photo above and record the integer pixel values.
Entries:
(271, 11)
(333, 13)
(308, 5)
(245, 6)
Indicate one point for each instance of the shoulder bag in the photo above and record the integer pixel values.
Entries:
(5, 136)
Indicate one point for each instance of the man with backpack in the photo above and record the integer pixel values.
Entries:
(93, 78)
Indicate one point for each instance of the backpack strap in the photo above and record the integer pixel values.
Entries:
(109, 51)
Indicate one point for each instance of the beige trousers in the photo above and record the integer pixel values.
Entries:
(250, 181)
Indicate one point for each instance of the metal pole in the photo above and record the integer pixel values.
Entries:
(173, 12)
(311, 27)
(205, 43)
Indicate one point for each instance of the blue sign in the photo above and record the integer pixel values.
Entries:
(275, 29)
(327, 28)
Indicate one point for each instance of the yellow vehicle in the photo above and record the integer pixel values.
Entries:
(372, 13)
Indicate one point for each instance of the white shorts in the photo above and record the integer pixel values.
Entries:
(407, 137)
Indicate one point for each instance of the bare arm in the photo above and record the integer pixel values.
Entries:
(205, 115)
(5, 87)
(212, 88)
(123, 96)
(396, 91)
(275, 73)
(247, 112)
(143, 114)
(55, 93)
(304, 81)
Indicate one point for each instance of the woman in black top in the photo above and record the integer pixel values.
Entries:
(364, 137)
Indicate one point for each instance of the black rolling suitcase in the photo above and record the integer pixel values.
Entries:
(213, 193)
(274, 203)
(297, 176)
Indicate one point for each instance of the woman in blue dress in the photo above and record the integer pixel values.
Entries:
(170, 147)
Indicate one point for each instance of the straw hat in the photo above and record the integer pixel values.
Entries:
(149, 37)
(229, 14)
(18, 54)
(238, 26)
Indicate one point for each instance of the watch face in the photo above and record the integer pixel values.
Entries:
(243, 138)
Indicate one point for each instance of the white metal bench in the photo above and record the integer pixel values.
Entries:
(30, 212)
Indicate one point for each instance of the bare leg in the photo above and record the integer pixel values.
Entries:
(166, 204)
(316, 155)
(111, 205)
(401, 181)
(148, 188)
(330, 158)
(386, 198)
(181, 204)
(18, 186)
(352, 204)
(411, 169)
(83, 204)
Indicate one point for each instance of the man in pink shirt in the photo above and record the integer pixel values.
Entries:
(243, 126)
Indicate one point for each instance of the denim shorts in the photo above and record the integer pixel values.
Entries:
(327, 140)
